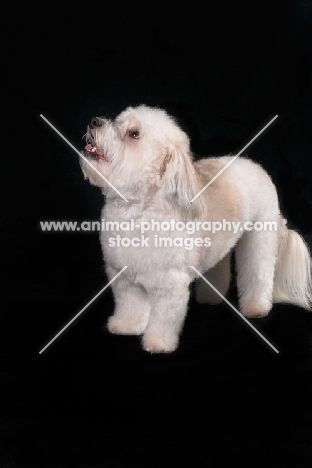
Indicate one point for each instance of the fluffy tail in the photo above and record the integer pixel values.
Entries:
(293, 273)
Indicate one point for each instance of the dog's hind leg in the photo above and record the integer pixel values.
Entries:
(255, 256)
(219, 276)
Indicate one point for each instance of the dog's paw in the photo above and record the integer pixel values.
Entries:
(158, 343)
(255, 311)
(125, 327)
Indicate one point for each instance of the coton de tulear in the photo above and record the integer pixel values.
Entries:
(150, 179)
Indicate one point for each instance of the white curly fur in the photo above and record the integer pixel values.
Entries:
(157, 175)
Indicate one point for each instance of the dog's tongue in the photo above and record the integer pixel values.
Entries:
(95, 150)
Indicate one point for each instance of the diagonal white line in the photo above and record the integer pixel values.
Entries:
(84, 308)
(235, 310)
(83, 157)
(232, 160)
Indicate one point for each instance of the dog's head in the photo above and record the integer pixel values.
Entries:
(142, 153)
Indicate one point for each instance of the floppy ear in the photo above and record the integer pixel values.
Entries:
(180, 182)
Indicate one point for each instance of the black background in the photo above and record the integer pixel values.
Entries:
(96, 400)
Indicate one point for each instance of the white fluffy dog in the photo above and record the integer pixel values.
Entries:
(145, 155)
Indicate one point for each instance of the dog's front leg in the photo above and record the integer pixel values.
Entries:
(132, 307)
(168, 310)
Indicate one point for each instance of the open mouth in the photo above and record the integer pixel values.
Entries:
(94, 152)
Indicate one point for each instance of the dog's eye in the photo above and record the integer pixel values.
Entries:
(134, 134)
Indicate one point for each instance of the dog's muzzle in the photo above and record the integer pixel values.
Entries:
(91, 149)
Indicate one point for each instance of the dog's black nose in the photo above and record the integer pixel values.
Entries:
(95, 122)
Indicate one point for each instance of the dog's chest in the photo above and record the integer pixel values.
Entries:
(144, 240)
